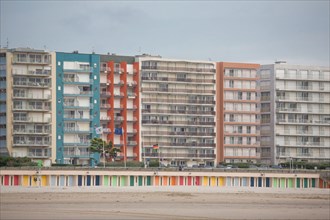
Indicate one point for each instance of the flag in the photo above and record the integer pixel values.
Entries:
(99, 130)
(155, 146)
(119, 131)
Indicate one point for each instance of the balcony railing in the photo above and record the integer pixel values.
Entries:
(105, 69)
(32, 72)
(105, 93)
(179, 155)
(183, 101)
(31, 84)
(31, 131)
(42, 154)
(105, 106)
(131, 143)
(158, 111)
(180, 133)
(31, 96)
(28, 60)
(169, 79)
(32, 108)
(80, 69)
(30, 143)
(31, 119)
(198, 91)
(105, 118)
(192, 144)
(177, 122)
(77, 129)
(181, 69)
(77, 80)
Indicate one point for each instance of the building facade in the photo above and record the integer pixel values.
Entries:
(77, 106)
(295, 113)
(26, 104)
(119, 104)
(237, 113)
(178, 111)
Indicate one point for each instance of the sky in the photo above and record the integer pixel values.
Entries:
(232, 31)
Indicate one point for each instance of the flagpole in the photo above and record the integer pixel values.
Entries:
(159, 155)
(103, 153)
(125, 148)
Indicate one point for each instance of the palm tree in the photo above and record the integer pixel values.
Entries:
(97, 146)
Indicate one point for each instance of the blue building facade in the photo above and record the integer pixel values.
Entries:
(77, 107)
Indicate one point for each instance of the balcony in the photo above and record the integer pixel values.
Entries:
(76, 154)
(105, 106)
(31, 120)
(303, 88)
(35, 96)
(134, 107)
(178, 133)
(43, 60)
(188, 91)
(82, 69)
(105, 69)
(119, 118)
(180, 69)
(106, 130)
(131, 95)
(131, 143)
(169, 79)
(118, 70)
(134, 119)
(119, 94)
(38, 85)
(177, 122)
(76, 117)
(192, 144)
(131, 133)
(37, 72)
(77, 130)
(32, 108)
(75, 104)
(120, 144)
(160, 111)
(32, 131)
(78, 143)
(104, 82)
(179, 155)
(79, 93)
(105, 94)
(40, 153)
(183, 101)
(105, 118)
(77, 81)
(118, 82)
(26, 143)
(131, 84)
(118, 107)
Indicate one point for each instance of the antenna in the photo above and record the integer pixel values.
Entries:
(7, 46)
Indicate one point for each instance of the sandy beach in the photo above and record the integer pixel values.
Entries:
(163, 203)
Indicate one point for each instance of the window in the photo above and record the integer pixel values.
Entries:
(231, 83)
(240, 95)
(231, 117)
(248, 129)
(240, 129)
(248, 96)
(248, 140)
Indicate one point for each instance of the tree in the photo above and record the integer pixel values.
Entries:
(109, 150)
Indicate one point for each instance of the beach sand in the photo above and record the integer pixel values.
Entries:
(163, 203)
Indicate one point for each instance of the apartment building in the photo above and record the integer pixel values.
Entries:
(26, 105)
(295, 113)
(237, 113)
(178, 111)
(77, 106)
(119, 104)
(3, 103)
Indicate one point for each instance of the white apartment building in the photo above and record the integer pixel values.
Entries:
(178, 111)
(295, 113)
(28, 95)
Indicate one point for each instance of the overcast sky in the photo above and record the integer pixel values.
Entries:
(238, 31)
